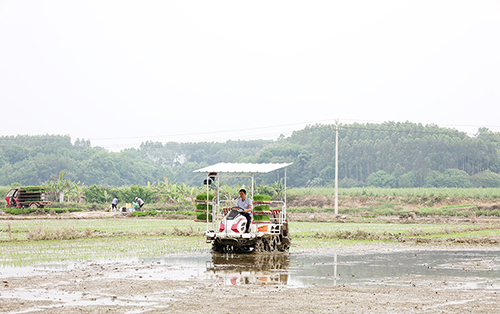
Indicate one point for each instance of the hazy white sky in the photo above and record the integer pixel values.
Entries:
(123, 72)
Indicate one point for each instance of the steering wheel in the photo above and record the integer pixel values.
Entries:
(237, 208)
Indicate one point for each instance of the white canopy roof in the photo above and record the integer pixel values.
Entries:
(242, 168)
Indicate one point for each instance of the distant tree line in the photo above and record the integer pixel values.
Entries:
(385, 155)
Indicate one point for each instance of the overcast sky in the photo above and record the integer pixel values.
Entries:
(123, 72)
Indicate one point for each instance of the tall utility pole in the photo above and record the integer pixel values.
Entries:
(336, 167)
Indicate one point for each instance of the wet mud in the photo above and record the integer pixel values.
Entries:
(382, 278)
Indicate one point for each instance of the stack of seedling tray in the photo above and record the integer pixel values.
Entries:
(202, 206)
(31, 193)
(261, 208)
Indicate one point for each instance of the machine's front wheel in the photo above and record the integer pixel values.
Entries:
(259, 246)
(219, 247)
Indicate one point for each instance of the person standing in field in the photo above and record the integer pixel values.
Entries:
(114, 203)
(140, 202)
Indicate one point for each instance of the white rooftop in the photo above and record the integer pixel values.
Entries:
(242, 168)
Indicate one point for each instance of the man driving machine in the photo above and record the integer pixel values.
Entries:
(246, 205)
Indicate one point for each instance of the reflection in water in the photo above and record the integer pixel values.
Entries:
(237, 269)
(471, 269)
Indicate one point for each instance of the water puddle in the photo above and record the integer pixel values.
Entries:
(464, 269)
(454, 269)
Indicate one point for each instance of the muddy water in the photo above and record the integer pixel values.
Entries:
(470, 269)
(466, 269)
(454, 269)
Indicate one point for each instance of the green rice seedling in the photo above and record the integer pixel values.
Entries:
(424, 211)
(111, 226)
(34, 252)
(203, 197)
(204, 207)
(203, 216)
(261, 217)
(261, 208)
(182, 212)
(458, 206)
(261, 198)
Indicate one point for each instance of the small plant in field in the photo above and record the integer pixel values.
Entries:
(10, 231)
(44, 233)
(188, 232)
(88, 233)
(415, 232)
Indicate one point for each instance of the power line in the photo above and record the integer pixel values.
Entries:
(276, 133)
(269, 127)
(211, 132)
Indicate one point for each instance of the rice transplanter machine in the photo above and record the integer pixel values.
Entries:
(225, 225)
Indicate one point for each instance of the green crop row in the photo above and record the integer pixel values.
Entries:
(416, 192)
(21, 211)
(390, 209)
(155, 212)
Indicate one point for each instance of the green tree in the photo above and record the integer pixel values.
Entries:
(434, 179)
(454, 178)
(94, 194)
(408, 180)
(59, 185)
(382, 179)
(486, 179)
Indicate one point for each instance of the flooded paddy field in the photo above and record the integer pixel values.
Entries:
(147, 271)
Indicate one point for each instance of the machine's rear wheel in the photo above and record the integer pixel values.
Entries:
(217, 246)
(33, 206)
(284, 244)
